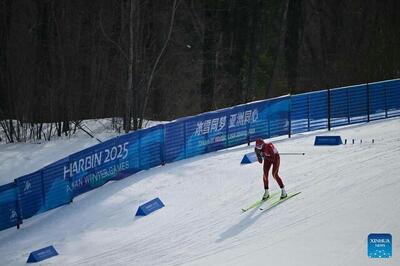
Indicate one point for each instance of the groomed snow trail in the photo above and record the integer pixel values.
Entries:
(348, 192)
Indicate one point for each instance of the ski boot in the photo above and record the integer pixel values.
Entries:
(283, 193)
(266, 195)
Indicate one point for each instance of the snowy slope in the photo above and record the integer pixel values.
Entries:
(348, 192)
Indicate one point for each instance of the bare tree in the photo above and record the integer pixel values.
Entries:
(156, 63)
(141, 69)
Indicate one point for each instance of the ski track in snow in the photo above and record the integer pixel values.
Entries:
(348, 191)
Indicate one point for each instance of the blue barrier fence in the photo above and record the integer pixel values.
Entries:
(58, 183)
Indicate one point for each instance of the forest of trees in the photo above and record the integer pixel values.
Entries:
(63, 61)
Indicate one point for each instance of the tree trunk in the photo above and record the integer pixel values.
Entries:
(11, 127)
(156, 63)
(129, 88)
(209, 58)
(281, 49)
(293, 26)
(254, 20)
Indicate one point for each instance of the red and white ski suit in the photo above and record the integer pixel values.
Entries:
(271, 157)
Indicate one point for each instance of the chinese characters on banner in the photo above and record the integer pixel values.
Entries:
(219, 123)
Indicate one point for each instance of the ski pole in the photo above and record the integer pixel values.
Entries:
(292, 153)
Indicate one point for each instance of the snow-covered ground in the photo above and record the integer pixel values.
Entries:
(348, 192)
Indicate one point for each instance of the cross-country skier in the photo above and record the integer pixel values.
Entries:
(266, 151)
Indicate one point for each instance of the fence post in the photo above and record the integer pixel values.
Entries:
(308, 112)
(385, 94)
(207, 135)
(43, 193)
(247, 128)
(269, 126)
(227, 131)
(70, 186)
(18, 206)
(140, 148)
(162, 145)
(248, 133)
(329, 109)
(184, 136)
(368, 104)
(348, 106)
(290, 115)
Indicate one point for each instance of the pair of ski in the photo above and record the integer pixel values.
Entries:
(274, 202)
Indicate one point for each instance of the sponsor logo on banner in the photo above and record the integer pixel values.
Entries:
(13, 215)
(27, 186)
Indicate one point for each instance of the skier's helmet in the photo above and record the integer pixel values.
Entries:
(259, 144)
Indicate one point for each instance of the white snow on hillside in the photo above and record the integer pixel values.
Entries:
(348, 192)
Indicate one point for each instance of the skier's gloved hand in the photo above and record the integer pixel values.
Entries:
(259, 155)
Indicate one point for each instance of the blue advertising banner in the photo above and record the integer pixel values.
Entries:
(216, 130)
(30, 194)
(151, 147)
(236, 123)
(56, 188)
(392, 98)
(174, 141)
(97, 165)
(269, 118)
(339, 107)
(318, 110)
(377, 101)
(309, 111)
(234, 126)
(196, 131)
(300, 113)
(128, 163)
(358, 109)
(8, 206)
